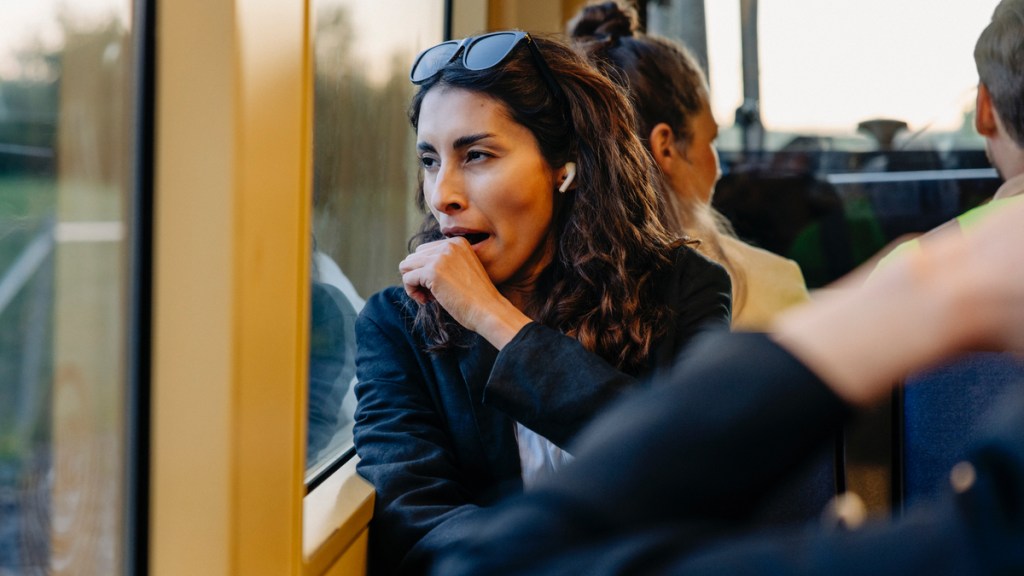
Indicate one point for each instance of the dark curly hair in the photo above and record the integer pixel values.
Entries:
(611, 240)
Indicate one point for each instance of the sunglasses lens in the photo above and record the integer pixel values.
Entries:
(432, 60)
(489, 50)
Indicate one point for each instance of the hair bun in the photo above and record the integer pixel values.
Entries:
(607, 19)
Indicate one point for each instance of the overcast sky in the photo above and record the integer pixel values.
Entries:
(829, 64)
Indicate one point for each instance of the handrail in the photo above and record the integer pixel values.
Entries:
(35, 253)
(911, 176)
(22, 150)
(26, 264)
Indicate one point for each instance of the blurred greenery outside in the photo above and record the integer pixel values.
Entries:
(63, 158)
(364, 157)
(28, 200)
(364, 160)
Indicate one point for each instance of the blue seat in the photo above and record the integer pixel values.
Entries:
(937, 414)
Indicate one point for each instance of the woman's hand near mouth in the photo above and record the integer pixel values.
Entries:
(449, 272)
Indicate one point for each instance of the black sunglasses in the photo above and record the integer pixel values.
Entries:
(480, 53)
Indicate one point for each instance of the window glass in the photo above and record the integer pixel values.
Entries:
(364, 179)
(862, 132)
(64, 119)
(827, 66)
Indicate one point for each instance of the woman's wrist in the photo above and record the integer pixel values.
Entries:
(500, 325)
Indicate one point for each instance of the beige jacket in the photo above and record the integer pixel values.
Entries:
(773, 283)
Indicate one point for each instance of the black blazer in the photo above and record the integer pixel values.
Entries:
(661, 482)
(435, 432)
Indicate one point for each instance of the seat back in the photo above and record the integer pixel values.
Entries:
(937, 414)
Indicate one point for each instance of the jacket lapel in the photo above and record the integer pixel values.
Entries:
(494, 428)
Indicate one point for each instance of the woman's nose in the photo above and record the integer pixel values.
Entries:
(447, 194)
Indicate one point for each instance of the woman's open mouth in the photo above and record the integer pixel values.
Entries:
(471, 237)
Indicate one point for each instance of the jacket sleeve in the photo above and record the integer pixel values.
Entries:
(548, 382)
(404, 447)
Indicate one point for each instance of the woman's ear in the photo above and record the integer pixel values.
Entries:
(984, 116)
(662, 144)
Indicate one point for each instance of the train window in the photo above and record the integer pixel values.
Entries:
(65, 86)
(364, 177)
(844, 126)
(825, 68)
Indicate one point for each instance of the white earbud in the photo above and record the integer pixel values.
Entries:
(570, 173)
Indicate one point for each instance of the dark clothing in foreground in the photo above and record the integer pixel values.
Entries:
(435, 432)
(661, 483)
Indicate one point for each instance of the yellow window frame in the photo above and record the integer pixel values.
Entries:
(231, 266)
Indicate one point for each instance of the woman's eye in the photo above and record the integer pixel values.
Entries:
(475, 155)
(427, 162)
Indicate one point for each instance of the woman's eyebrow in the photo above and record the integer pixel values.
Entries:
(460, 142)
(463, 141)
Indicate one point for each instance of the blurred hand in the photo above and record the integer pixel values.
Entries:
(959, 291)
(992, 268)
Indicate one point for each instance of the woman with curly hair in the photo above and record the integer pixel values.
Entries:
(670, 95)
(544, 284)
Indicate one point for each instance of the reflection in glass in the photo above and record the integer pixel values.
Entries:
(64, 83)
(364, 170)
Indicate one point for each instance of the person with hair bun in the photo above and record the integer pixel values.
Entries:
(544, 285)
(673, 112)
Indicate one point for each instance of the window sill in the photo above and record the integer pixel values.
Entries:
(335, 514)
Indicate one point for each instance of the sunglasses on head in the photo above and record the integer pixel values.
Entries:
(480, 53)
